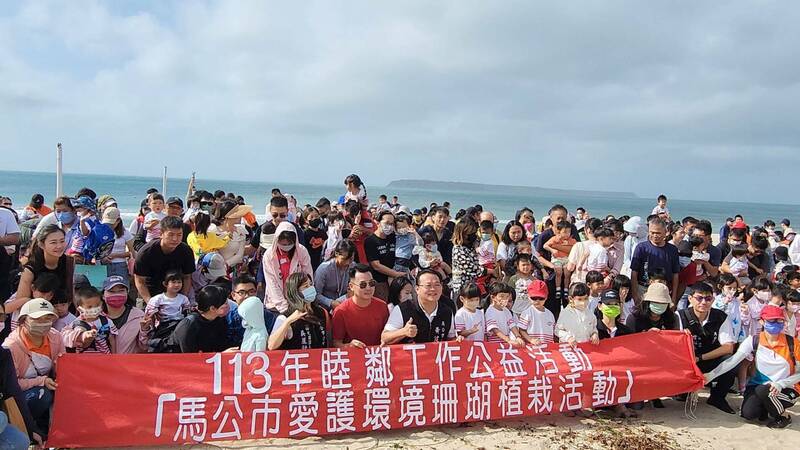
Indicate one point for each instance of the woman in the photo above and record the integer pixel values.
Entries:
(315, 236)
(331, 277)
(305, 324)
(47, 256)
(35, 347)
(117, 261)
(507, 250)
(126, 318)
(401, 290)
(229, 225)
(10, 436)
(465, 259)
(204, 330)
(203, 239)
(528, 220)
(285, 257)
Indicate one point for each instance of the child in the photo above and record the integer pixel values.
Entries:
(470, 322)
(781, 255)
(486, 250)
(577, 324)
(356, 190)
(661, 208)
(537, 325)
(622, 284)
(500, 324)
(44, 286)
(405, 241)
(65, 317)
(429, 256)
(596, 258)
(793, 311)
(519, 282)
(729, 301)
(739, 264)
(152, 221)
(171, 305)
(793, 280)
(596, 282)
(559, 247)
(92, 331)
(760, 294)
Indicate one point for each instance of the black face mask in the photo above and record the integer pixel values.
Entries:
(315, 223)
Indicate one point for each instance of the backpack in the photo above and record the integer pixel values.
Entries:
(789, 343)
(99, 243)
(159, 340)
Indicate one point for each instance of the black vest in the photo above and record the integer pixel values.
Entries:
(307, 334)
(427, 331)
(706, 337)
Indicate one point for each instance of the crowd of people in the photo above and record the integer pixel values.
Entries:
(200, 274)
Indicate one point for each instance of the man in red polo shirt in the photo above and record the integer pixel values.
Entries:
(360, 319)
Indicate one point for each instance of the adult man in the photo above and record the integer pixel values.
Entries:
(488, 215)
(713, 337)
(161, 255)
(711, 267)
(9, 236)
(323, 205)
(265, 234)
(379, 247)
(725, 230)
(756, 254)
(359, 320)
(440, 217)
(426, 320)
(581, 216)
(557, 213)
(175, 208)
(654, 253)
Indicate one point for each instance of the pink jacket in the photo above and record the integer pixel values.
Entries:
(275, 298)
(22, 358)
(130, 337)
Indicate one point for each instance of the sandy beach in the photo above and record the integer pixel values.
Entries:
(655, 429)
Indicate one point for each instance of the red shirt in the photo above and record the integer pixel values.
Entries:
(351, 321)
(285, 262)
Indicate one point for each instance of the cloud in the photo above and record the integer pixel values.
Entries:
(611, 96)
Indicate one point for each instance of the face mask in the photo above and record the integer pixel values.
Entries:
(580, 305)
(116, 300)
(39, 329)
(773, 327)
(734, 243)
(65, 216)
(433, 248)
(90, 313)
(315, 223)
(611, 311)
(486, 237)
(309, 294)
(528, 226)
(387, 229)
(206, 208)
(764, 296)
(658, 308)
(286, 248)
(407, 298)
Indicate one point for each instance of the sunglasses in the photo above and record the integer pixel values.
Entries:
(281, 215)
(704, 299)
(365, 284)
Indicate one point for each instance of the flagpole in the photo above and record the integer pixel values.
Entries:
(59, 172)
(164, 183)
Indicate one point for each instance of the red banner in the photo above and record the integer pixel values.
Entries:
(124, 400)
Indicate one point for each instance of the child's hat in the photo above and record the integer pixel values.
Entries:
(772, 312)
(657, 293)
(739, 225)
(537, 289)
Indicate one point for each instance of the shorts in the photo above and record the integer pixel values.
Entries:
(560, 262)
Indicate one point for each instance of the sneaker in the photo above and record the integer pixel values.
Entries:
(780, 422)
(721, 405)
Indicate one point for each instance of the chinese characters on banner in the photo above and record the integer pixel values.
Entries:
(115, 400)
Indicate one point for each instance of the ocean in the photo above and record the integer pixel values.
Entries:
(129, 191)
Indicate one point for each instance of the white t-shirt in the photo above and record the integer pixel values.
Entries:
(120, 246)
(539, 325)
(155, 232)
(598, 257)
(576, 324)
(466, 320)
(168, 308)
(396, 322)
(575, 256)
(498, 320)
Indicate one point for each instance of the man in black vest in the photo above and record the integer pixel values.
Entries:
(713, 340)
(425, 320)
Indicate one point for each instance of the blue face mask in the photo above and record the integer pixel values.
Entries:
(65, 216)
(773, 327)
(309, 294)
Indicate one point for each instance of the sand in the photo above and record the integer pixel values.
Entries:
(666, 428)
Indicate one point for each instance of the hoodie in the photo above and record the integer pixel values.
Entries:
(300, 262)
(22, 357)
(255, 330)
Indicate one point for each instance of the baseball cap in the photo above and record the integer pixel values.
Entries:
(417, 212)
(114, 280)
(770, 312)
(36, 308)
(80, 280)
(785, 222)
(110, 215)
(175, 201)
(214, 265)
(537, 289)
(610, 296)
(739, 225)
(657, 293)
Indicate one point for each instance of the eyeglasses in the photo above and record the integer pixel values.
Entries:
(7, 204)
(250, 292)
(365, 284)
(206, 203)
(704, 298)
(431, 286)
(281, 215)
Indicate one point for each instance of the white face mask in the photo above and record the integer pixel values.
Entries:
(286, 248)
(764, 296)
(91, 313)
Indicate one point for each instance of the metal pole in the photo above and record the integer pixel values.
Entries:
(59, 172)
(164, 183)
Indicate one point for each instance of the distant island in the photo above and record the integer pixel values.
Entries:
(455, 186)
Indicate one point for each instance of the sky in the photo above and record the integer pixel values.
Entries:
(693, 99)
